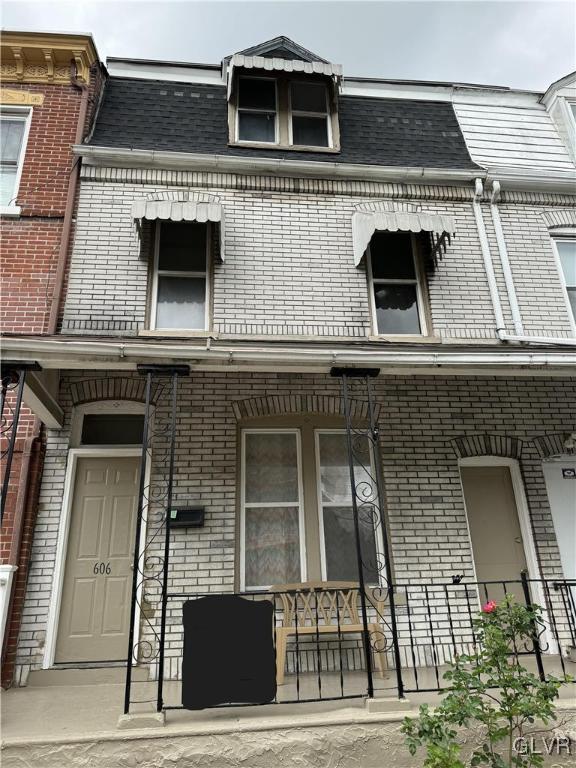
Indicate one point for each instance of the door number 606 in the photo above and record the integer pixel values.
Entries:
(102, 568)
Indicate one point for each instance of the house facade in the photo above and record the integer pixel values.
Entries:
(50, 85)
(282, 278)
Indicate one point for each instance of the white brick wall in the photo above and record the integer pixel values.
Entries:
(289, 267)
(419, 417)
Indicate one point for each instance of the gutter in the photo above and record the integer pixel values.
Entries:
(57, 354)
(486, 255)
(106, 156)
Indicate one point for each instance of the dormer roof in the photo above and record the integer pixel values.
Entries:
(281, 48)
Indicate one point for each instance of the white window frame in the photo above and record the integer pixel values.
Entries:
(372, 282)
(24, 114)
(300, 113)
(556, 237)
(378, 537)
(259, 112)
(244, 505)
(206, 274)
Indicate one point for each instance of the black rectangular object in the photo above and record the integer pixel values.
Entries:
(187, 517)
(228, 655)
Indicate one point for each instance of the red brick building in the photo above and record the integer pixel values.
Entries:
(50, 89)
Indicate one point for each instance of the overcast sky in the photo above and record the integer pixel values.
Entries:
(519, 44)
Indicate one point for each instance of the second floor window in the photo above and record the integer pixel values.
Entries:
(396, 285)
(567, 254)
(12, 135)
(180, 272)
(283, 112)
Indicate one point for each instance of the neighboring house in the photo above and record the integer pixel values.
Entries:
(50, 83)
(266, 222)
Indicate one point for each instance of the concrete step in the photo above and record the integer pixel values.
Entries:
(42, 678)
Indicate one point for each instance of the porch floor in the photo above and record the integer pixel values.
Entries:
(73, 711)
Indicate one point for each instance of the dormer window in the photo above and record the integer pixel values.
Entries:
(281, 95)
(309, 114)
(284, 111)
(257, 109)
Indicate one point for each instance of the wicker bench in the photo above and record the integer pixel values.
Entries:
(325, 607)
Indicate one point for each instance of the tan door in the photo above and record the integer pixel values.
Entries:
(497, 545)
(95, 608)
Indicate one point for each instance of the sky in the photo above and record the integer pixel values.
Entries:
(526, 44)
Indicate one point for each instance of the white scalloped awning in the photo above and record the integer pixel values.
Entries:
(178, 210)
(282, 65)
(365, 223)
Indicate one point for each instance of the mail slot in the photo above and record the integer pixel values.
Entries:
(187, 517)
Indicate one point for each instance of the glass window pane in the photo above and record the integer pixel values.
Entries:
(12, 133)
(181, 302)
(392, 256)
(308, 97)
(182, 246)
(573, 108)
(7, 181)
(257, 94)
(272, 553)
(254, 126)
(340, 544)
(572, 300)
(567, 251)
(271, 467)
(112, 429)
(335, 470)
(397, 308)
(310, 131)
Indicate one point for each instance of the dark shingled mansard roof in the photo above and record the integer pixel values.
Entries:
(190, 117)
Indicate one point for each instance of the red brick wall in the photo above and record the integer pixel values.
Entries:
(30, 246)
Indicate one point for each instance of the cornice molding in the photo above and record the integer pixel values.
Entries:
(46, 58)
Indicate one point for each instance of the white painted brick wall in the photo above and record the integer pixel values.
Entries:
(289, 267)
(419, 417)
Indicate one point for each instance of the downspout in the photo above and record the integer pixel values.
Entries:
(68, 211)
(504, 260)
(488, 265)
(519, 336)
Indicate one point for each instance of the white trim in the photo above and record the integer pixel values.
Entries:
(378, 533)
(301, 522)
(175, 273)
(6, 577)
(419, 293)
(562, 277)
(24, 113)
(62, 542)
(523, 511)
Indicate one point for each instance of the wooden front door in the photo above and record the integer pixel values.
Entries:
(495, 533)
(95, 607)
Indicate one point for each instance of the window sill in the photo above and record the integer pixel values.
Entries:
(179, 334)
(407, 338)
(10, 210)
(284, 147)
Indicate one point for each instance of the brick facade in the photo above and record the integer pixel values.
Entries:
(303, 241)
(30, 246)
(426, 425)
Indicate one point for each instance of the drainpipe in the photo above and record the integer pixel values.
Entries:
(68, 211)
(504, 260)
(488, 265)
